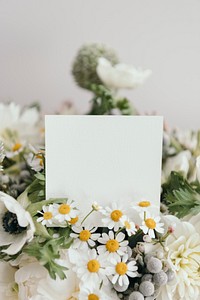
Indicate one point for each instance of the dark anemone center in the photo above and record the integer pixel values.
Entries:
(10, 223)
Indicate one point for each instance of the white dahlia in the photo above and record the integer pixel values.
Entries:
(184, 259)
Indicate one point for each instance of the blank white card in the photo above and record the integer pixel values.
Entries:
(104, 159)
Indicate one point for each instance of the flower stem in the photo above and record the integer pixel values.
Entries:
(87, 215)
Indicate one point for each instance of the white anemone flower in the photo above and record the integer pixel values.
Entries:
(128, 225)
(121, 269)
(184, 258)
(84, 236)
(151, 224)
(16, 225)
(113, 246)
(113, 216)
(120, 76)
(90, 267)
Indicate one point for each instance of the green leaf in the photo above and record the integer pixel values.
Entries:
(181, 197)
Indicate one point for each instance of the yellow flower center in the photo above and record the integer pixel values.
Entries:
(93, 297)
(64, 209)
(150, 223)
(127, 225)
(47, 215)
(40, 157)
(112, 245)
(93, 266)
(121, 268)
(116, 215)
(84, 235)
(73, 220)
(144, 203)
(16, 147)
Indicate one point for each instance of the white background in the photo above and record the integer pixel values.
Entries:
(39, 39)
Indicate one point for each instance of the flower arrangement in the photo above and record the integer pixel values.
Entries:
(50, 251)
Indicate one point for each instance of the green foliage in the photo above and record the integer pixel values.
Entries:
(48, 251)
(36, 190)
(181, 197)
(104, 102)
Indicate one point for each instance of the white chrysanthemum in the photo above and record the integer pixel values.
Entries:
(121, 269)
(16, 225)
(47, 215)
(113, 216)
(8, 287)
(120, 76)
(90, 267)
(113, 246)
(151, 224)
(128, 225)
(84, 236)
(65, 211)
(184, 259)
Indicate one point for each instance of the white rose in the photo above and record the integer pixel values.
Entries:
(178, 163)
(8, 286)
(120, 76)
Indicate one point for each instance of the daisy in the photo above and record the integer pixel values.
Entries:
(128, 225)
(36, 161)
(90, 268)
(91, 294)
(113, 246)
(113, 216)
(15, 148)
(65, 211)
(47, 215)
(84, 236)
(143, 205)
(151, 224)
(121, 270)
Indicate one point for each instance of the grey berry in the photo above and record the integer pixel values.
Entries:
(160, 278)
(136, 296)
(147, 277)
(146, 288)
(147, 257)
(154, 265)
(170, 275)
